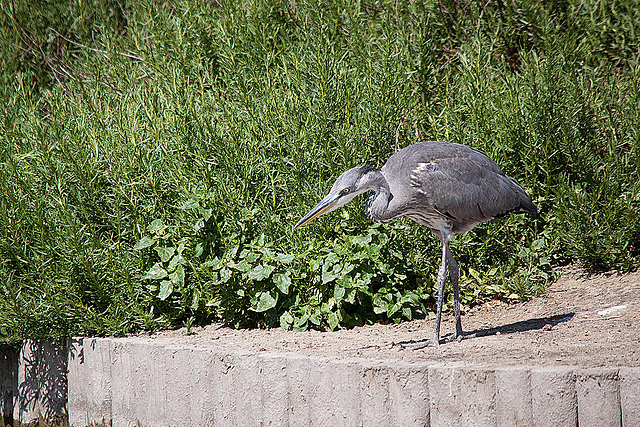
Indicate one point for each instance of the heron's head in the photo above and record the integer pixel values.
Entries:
(351, 183)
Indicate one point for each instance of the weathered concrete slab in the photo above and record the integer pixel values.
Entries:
(89, 381)
(177, 360)
(124, 384)
(630, 396)
(8, 381)
(462, 395)
(598, 393)
(249, 394)
(374, 394)
(514, 405)
(345, 378)
(299, 389)
(42, 381)
(203, 386)
(409, 395)
(553, 391)
(275, 399)
(146, 382)
(321, 394)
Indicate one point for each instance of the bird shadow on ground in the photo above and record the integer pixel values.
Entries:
(541, 323)
(523, 325)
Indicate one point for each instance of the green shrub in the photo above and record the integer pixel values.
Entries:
(154, 156)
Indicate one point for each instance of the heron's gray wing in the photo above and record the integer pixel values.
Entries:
(461, 183)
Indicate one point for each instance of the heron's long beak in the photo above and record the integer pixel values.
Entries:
(323, 207)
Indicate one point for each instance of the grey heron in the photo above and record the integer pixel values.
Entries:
(449, 188)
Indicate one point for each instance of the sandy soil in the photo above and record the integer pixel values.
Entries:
(584, 320)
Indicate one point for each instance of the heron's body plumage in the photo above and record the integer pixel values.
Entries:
(450, 186)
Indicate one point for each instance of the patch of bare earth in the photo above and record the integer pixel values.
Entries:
(582, 320)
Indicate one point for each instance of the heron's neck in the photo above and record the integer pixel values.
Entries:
(377, 205)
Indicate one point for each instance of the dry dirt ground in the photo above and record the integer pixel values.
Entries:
(583, 320)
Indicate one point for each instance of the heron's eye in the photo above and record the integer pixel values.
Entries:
(345, 191)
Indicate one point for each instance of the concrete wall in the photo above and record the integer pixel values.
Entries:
(152, 383)
(8, 381)
(143, 382)
(33, 381)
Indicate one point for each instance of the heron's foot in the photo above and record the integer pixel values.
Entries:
(431, 342)
(416, 345)
(456, 337)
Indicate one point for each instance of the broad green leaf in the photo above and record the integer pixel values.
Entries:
(286, 320)
(282, 281)
(351, 297)
(265, 302)
(267, 253)
(393, 308)
(338, 292)
(177, 277)
(156, 226)
(166, 289)
(145, 242)
(175, 261)
(206, 213)
(165, 254)
(197, 252)
(181, 246)
(251, 257)
(225, 274)
(195, 302)
(261, 272)
(332, 320)
(156, 272)
(379, 309)
(314, 264)
(285, 259)
(361, 240)
(190, 204)
(198, 225)
(329, 275)
(315, 319)
(328, 306)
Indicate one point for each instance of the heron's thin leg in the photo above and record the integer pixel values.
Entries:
(442, 278)
(454, 274)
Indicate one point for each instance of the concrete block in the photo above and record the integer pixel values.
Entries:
(514, 406)
(225, 375)
(123, 384)
(42, 381)
(248, 390)
(409, 395)
(203, 387)
(151, 376)
(345, 376)
(374, 394)
(299, 390)
(8, 381)
(462, 396)
(598, 393)
(89, 381)
(321, 394)
(630, 396)
(275, 397)
(178, 386)
(554, 397)
(138, 383)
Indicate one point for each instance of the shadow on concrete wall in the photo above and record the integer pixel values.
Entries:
(41, 381)
(8, 381)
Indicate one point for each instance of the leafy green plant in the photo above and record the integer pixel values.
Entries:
(154, 156)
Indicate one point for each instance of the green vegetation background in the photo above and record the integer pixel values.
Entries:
(154, 155)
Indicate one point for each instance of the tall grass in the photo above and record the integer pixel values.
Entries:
(154, 156)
